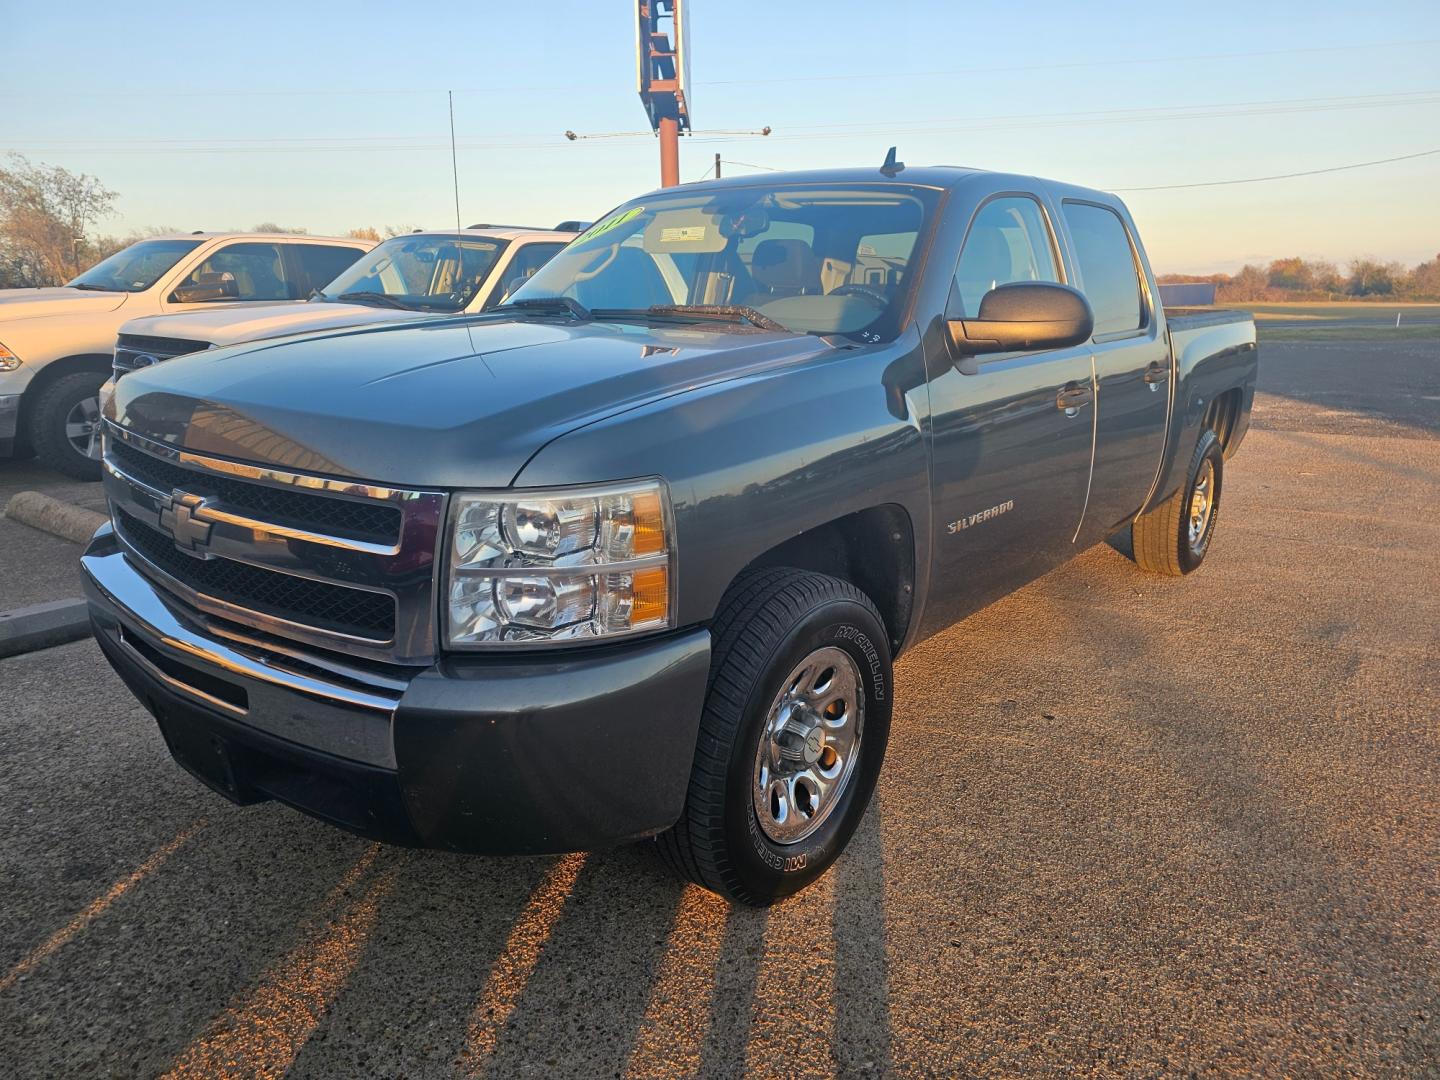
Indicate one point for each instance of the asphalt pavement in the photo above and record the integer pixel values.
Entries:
(1127, 826)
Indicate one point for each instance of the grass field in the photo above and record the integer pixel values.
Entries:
(1290, 332)
(1344, 322)
(1370, 312)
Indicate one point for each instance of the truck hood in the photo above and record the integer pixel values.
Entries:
(34, 303)
(454, 403)
(233, 326)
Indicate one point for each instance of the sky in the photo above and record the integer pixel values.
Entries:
(332, 117)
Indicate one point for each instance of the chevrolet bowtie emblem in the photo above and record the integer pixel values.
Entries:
(179, 517)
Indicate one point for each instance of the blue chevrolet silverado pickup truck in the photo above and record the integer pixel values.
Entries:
(631, 556)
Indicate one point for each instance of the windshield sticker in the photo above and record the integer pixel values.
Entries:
(683, 234)
(610, 223)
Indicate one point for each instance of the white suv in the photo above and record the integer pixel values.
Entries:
(57, 344)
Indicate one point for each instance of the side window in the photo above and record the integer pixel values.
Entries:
(323, 263)
(527, 260)
(1009, 241)
(1107, 267)
(245, 271)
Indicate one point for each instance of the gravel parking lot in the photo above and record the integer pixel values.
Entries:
(1128, 826)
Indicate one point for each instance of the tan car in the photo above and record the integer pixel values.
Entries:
(413, 276)
(57, 344)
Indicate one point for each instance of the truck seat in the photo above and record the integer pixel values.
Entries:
(785, 268)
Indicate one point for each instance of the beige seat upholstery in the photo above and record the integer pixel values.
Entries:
(785, 268)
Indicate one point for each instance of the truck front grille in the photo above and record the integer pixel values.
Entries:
(295, 599)
(373, 521)
(135, 351)
(340, 565)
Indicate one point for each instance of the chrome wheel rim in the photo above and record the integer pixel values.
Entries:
(82, 426)
(808, 746)
(1202, 505)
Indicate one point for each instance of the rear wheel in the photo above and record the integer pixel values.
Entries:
(791, 739)
(65, 424)
(1175, 537)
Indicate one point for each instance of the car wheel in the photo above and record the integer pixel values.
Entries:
(1175, 537)
(792, 736)
(65, 425)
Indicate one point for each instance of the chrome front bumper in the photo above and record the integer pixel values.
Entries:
(270, 685)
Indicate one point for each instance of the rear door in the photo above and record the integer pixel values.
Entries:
(1132, 366)
(1011, 444)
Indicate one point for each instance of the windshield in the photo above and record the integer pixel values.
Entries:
(137, 267)
(815, 258)
(426, 272)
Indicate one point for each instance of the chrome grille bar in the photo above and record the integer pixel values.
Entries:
(207, 518)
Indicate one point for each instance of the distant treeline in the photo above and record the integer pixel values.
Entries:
(1318, 279)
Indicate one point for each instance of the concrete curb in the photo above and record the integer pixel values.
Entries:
(39, 626)
(62, 519)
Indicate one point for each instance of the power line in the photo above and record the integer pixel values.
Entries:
(1111, 62)
(1281, 176)
(1106, 117)
(1106, 62)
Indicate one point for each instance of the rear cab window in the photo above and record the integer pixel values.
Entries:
(1109, 275)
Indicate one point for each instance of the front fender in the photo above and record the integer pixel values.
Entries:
(755, 461)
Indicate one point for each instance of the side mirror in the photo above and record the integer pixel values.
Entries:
(1023, 315)
(205, 287)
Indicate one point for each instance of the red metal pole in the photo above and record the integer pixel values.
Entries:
(669, 152)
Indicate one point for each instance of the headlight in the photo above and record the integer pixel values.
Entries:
(542, 566)
(8, 360)
(106, 393)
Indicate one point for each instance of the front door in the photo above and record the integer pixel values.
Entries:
(1010, 445)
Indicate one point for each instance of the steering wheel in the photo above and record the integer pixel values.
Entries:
(875, 296)
(597, 268)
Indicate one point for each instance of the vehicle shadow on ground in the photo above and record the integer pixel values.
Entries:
(384, 961)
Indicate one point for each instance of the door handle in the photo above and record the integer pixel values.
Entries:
(1073, 397)
(1155, 374)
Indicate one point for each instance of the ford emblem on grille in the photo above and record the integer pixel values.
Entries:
(139, 360)
(179, 517)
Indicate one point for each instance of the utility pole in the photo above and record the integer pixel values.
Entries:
(663, 75)
(717, 166)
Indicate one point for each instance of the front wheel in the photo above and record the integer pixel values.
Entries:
(791, 739)
(1175, 537)
(65, 425)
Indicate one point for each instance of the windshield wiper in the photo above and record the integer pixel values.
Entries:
(550, 305)
(92, 288)
(377, 298)
(720, 313)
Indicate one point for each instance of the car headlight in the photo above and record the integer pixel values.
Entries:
(559, 566)
(8, 360)
(106, 394)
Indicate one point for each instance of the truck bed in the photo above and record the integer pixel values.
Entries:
(1196, 318)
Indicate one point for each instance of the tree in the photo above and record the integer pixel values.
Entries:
(1370, 277)
(366, 233)
(1292, 273)
(1425, 280)
(1250, 283)
(44, 214)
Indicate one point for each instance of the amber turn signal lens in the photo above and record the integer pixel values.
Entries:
(650, 592)
(649, 524)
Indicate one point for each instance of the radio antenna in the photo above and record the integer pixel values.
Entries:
(454, 163)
